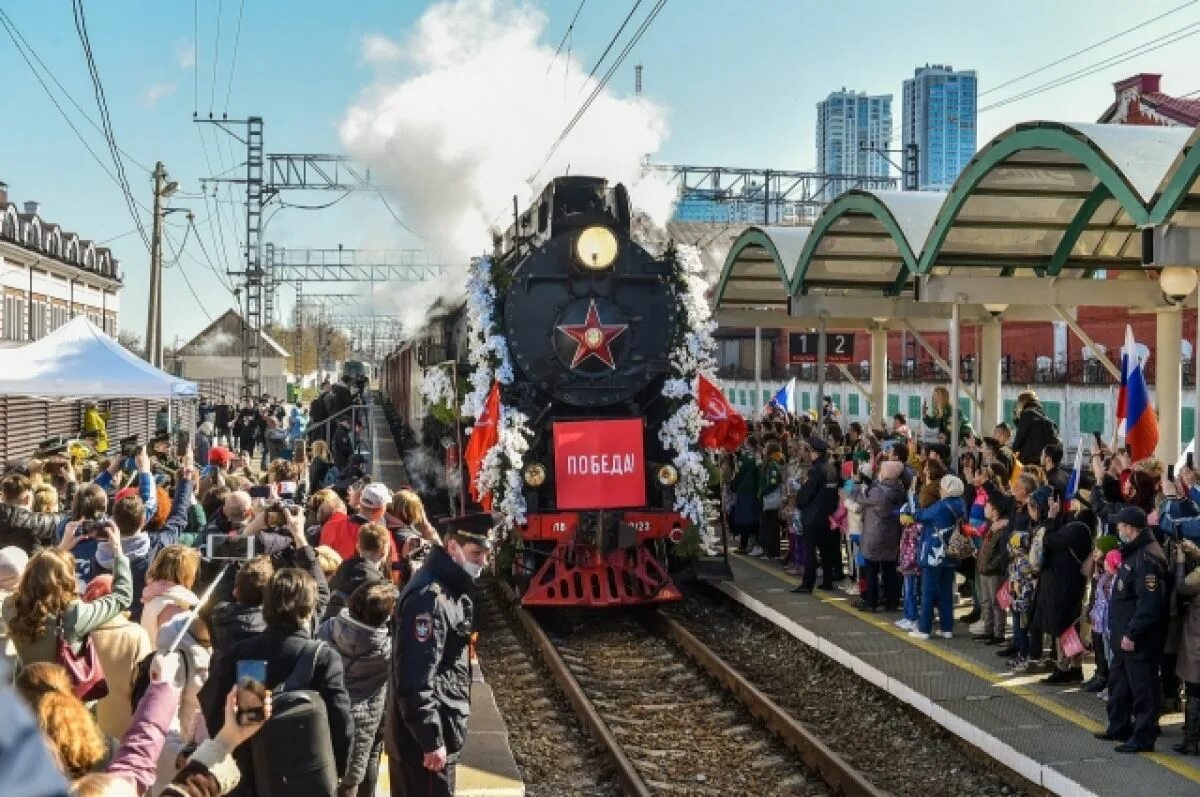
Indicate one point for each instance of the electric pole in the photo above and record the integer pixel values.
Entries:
(154, 312)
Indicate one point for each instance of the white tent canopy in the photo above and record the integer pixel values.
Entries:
(79, 361)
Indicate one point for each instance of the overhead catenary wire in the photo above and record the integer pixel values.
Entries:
(1090, 47)
(237, 37)
(565, 36)
(600, 85)
(212, 86)
(613, 41)
(191, 289)
(1145, 48)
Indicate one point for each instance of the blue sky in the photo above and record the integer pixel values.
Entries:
(739, 82)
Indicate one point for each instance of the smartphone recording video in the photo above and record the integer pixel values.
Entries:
(129, 446)
(222, 547)
(183, 441)
(251, 691)
(260, 491)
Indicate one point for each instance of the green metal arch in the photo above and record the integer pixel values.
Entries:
(1042, 136)
(854, 201)
(751, 237)
(1181, 181)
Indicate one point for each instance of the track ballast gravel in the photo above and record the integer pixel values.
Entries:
(894, 746)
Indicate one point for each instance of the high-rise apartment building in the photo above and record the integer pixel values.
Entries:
(853, 130)
(939, 116)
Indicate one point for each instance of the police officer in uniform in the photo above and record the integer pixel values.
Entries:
(1137, 625)
(816, 501)
(429, 685)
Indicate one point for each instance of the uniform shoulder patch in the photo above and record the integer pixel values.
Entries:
(423, 627)
(1151, 582)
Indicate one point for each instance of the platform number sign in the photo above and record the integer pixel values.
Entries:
(839, 347)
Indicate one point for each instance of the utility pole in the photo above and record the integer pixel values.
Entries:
(154, 312)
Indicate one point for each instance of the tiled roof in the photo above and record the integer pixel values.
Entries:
(1181, 109)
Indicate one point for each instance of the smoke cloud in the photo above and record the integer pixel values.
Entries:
(472, 116)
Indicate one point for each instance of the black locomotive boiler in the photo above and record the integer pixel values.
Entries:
(590, 318)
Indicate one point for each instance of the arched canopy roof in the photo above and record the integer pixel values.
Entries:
(866, 241)
(758, 267)
(1049, 198)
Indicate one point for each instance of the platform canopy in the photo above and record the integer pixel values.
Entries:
(1041, 200)
(79, 361)
(755, 278)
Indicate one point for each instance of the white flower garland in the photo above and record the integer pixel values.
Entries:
(693, 355)
(437, 387)
(500, 472)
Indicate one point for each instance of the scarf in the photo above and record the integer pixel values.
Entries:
(135, 547)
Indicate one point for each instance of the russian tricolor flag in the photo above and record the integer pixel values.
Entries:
(1135, 416)
(1076, 473)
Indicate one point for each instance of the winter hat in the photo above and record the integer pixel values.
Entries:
(125, 492)
(220, 456)
(891, 469)
(951, 485)
(847, 470)
(12, 564)
(818, 445)
(98, 587)
(1112, 559)
(1108, 543)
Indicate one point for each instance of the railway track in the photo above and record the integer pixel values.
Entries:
(674, 718)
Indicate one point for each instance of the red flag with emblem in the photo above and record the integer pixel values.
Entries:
(727, 428)
(484, 435)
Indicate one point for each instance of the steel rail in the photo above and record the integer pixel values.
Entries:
(835, 770)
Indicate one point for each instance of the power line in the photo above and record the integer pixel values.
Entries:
(637, 35)
(221, 278)
(613, 40)
(237, 36)
(105, 118)
(563, 40)
(178, 252)
(1090, 47)
(212, 86)
(1158, 43)
(50, 73)
(396, 218)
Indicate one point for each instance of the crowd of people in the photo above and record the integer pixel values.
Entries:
(1045, 564)
(198, 623)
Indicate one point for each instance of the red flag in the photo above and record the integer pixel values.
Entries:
(727, 429)
(483, 436)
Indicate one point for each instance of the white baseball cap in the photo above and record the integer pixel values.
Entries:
(376, 495)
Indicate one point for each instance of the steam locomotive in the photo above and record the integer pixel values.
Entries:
(589, 319)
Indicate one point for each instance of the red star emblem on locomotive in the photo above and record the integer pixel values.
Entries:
(592, 337)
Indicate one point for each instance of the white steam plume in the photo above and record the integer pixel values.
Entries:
(474, 115)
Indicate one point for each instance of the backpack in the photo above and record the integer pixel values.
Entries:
(293, 752)
(1037, 550)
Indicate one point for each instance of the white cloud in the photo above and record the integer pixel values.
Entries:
(158, 92)
(379, 49)
(185, 54)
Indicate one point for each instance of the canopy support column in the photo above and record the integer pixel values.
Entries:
(955, 360)
(1167, 381)
(758, 402)
(990, 360)
(879, 377)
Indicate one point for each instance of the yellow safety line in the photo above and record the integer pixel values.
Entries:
(1045, 702)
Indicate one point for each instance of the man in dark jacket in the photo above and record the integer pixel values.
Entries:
(1051, 462)
(19, 524)
(429, 688)
(816, 501)
(289, 605)
(236, 620)
(318, 412)
(1035, 430)
(222, 420)
(367, 566)
(1137, 626)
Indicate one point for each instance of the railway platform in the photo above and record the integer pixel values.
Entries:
(1042, 732)
(486, 767)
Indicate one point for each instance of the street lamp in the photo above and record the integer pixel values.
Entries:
(1177, 282)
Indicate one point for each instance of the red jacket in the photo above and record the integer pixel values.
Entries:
(340, 533)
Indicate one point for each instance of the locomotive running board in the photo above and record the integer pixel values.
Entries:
(600, 581)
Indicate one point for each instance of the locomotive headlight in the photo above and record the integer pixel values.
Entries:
(596, 248)
(667, 475)
(535, 474)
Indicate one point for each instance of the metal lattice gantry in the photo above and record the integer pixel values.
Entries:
(799, 195)
(353, 265)
(265, 177)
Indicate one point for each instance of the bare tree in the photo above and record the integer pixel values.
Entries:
(132, 341)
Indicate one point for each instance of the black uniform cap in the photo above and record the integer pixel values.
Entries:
(474, 527)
